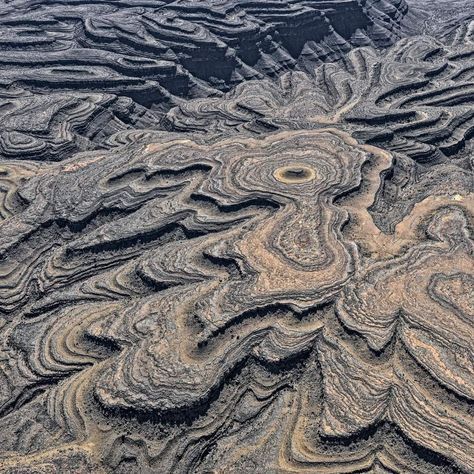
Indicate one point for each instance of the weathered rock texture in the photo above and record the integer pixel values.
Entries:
(74, 72)
(278, 281)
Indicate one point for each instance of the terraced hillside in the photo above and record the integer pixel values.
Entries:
(273, 278)
(74, 72)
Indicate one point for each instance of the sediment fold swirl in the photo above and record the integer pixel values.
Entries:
(277, 277)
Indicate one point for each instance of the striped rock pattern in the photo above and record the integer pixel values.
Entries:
(74, 72)
(280, 280)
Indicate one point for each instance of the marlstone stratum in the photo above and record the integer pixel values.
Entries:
(237, 236)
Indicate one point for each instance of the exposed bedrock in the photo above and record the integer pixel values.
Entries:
(166, 298)
(275, 278)
(219, 43)
(143, 56)
(414, 99)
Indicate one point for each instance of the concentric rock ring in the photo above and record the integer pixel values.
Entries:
(295, 173)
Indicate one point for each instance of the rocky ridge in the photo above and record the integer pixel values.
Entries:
(278, 280)
(73, 73)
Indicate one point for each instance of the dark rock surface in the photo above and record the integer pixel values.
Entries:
(105, 66)
(223, 251)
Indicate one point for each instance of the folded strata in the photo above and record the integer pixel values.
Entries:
(102, 67)
(280, 280)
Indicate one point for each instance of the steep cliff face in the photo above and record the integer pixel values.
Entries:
(274, 278)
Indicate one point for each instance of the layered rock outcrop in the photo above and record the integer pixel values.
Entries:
(85, 70)
(278, 280)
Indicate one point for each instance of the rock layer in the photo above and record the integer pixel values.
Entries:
(279, 280)
(91, 69)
